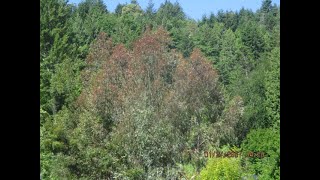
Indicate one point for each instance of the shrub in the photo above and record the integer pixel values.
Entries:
(221, 168)
(268, 142)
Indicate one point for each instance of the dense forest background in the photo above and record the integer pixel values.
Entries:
(143, 93)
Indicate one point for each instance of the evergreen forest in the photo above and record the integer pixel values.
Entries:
(150, 93)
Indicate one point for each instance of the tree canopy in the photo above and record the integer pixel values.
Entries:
(144, 93)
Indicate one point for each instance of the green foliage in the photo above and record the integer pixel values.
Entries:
(168, 15)
(172, 18)
(208, 40)
(118, 9)
(66, 81)
(228, 60)
(189, 170)
(142, 94)
(128, 28)
(89, 19)
(182, 37)
(134, 174)
(245, 15)
(54, 45)
(221, 168)
(228, 18)
(267, 14)
(272, 84)
(252, 37)
(59, 168)
(150, 11)
(53, 17)
(132, 10)
(268, 142)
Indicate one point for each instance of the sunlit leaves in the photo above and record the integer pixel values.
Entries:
(268, 142)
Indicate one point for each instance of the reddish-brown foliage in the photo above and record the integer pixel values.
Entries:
(196, 86)
(151, 74)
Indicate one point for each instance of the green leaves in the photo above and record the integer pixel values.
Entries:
(221, 168)
(208, 40)
(131, 10)
(252, 37)
(272, 86)
(268, 142)
(228, 59)
(127, 95)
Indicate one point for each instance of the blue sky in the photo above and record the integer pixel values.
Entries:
(194, 8)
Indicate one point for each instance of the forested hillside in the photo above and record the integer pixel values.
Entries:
(147, 93)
